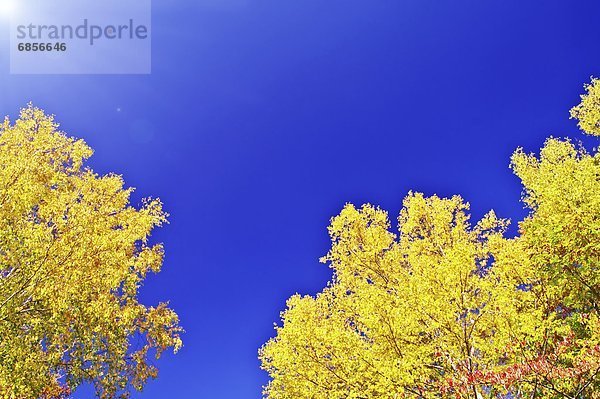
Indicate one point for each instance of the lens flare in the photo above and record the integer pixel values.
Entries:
(8, 8)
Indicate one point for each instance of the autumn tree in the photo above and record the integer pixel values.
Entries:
(447, 309)
(73, 254)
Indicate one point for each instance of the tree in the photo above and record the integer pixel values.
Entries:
(445, 309)
(73, 254)
(588, 111)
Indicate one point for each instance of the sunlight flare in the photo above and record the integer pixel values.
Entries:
(8, 8)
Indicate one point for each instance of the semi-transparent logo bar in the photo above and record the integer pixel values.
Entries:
(81, 37)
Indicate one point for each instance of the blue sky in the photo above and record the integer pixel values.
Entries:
(262, 118)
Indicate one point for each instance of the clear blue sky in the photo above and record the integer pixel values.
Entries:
(262, 118)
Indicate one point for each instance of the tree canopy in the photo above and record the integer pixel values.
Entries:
(446, 308)
(73, 254)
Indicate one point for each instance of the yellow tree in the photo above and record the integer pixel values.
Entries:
(557, 255)
(73, 254)
(449, 310)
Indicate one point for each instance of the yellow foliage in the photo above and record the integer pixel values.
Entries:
(588, 111)
(446, 309)
(73, 254)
